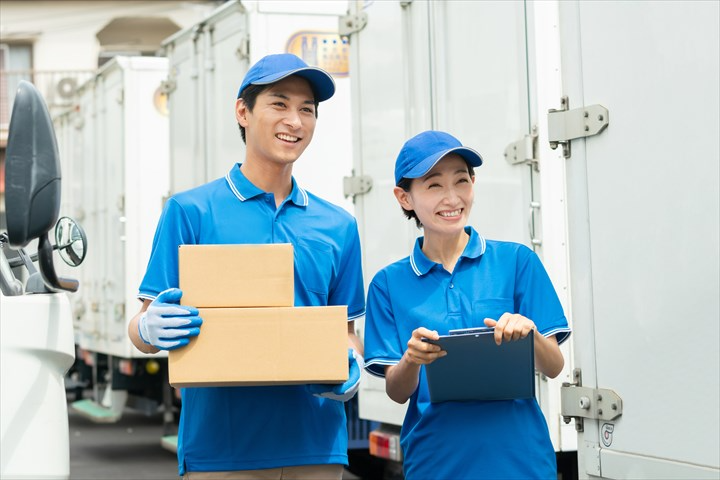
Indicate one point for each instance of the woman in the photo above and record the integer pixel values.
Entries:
(454, 279)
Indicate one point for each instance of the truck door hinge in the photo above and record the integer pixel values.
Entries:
(523, 152)
(580, 402)
(565, 124)
(356, 185)
(352, 23)
(242, 52)
(168, 86)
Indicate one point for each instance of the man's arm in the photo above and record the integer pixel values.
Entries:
(163, 323)
(354, 341)
(133, 331)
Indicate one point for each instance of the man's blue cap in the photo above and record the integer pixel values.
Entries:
(420, 154)
(273, 68)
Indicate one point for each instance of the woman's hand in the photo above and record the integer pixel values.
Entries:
(510, 326)
(513, 326)
(422, 353)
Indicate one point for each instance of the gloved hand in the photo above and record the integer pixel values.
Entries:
(347, 390)
(166, 324)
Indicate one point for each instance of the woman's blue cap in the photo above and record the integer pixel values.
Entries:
(273, 68)
(420, 154)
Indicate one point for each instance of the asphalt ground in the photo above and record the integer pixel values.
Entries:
(129, 449)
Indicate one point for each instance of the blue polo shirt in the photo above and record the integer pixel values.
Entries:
(247, 428)
(455, 440)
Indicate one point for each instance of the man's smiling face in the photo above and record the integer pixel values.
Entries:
(282, 123)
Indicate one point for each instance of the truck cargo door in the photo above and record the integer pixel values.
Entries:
(643, 208)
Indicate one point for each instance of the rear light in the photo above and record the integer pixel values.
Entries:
(385, 445)
(126, 367)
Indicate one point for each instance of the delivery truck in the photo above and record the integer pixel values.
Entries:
(598, 123)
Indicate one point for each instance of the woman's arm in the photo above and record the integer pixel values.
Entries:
(402, 379)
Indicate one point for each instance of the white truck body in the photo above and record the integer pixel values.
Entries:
(627, 225)
(115, 158)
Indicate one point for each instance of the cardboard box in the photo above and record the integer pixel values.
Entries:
(237, 275)
(264, 346)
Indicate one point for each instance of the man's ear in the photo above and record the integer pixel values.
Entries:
(241, 112)
(402, 198)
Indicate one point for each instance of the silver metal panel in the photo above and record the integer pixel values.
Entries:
(644, 216)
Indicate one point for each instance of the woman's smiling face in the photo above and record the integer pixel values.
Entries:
(442, 198)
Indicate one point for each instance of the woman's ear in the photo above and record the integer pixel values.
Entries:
(241, 112)
(403, 198)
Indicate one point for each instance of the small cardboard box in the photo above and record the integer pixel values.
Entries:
(264, 346)
(237, 275)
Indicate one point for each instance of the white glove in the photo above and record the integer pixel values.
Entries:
(166, 324)
(347, 390)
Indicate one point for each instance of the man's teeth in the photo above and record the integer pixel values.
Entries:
(454, 213)
(287, 138)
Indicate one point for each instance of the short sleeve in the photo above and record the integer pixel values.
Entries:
(348, 288)
(382, 343)
(536, 299)
(174, 229)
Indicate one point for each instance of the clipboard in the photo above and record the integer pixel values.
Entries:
(475, 368)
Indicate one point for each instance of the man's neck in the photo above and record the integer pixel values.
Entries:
(269, 177)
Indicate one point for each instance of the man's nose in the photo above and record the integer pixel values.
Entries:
(292, 120)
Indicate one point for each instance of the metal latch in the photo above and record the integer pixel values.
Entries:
(356, 185)
(349, 24)
(523, 151)
(242, 52)
(168, 86)
(580, 402)
(565, 124)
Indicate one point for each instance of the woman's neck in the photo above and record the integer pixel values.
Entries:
(445, 249)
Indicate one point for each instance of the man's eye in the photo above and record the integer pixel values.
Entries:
(308, 110)
(279, 104)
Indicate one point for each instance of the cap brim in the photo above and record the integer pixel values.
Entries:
(472, 157)
(321, 82)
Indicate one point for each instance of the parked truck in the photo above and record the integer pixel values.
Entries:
(598, 123)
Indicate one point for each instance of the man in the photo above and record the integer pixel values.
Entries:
(294, 431)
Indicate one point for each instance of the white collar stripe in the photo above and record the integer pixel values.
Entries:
(305, 197)
(414, 267)
(233, 188)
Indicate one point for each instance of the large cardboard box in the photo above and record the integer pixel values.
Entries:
(264, 346)
(237, 275)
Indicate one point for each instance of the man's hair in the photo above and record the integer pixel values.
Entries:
(249, 96)
(405, 184)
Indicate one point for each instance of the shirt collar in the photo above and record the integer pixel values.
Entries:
(244, 190)
(422, 265)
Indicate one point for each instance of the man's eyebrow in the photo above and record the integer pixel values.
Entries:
(309, 101)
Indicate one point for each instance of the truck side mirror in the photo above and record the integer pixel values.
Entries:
(32, 181)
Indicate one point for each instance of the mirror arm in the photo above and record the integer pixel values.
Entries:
(47, 268)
